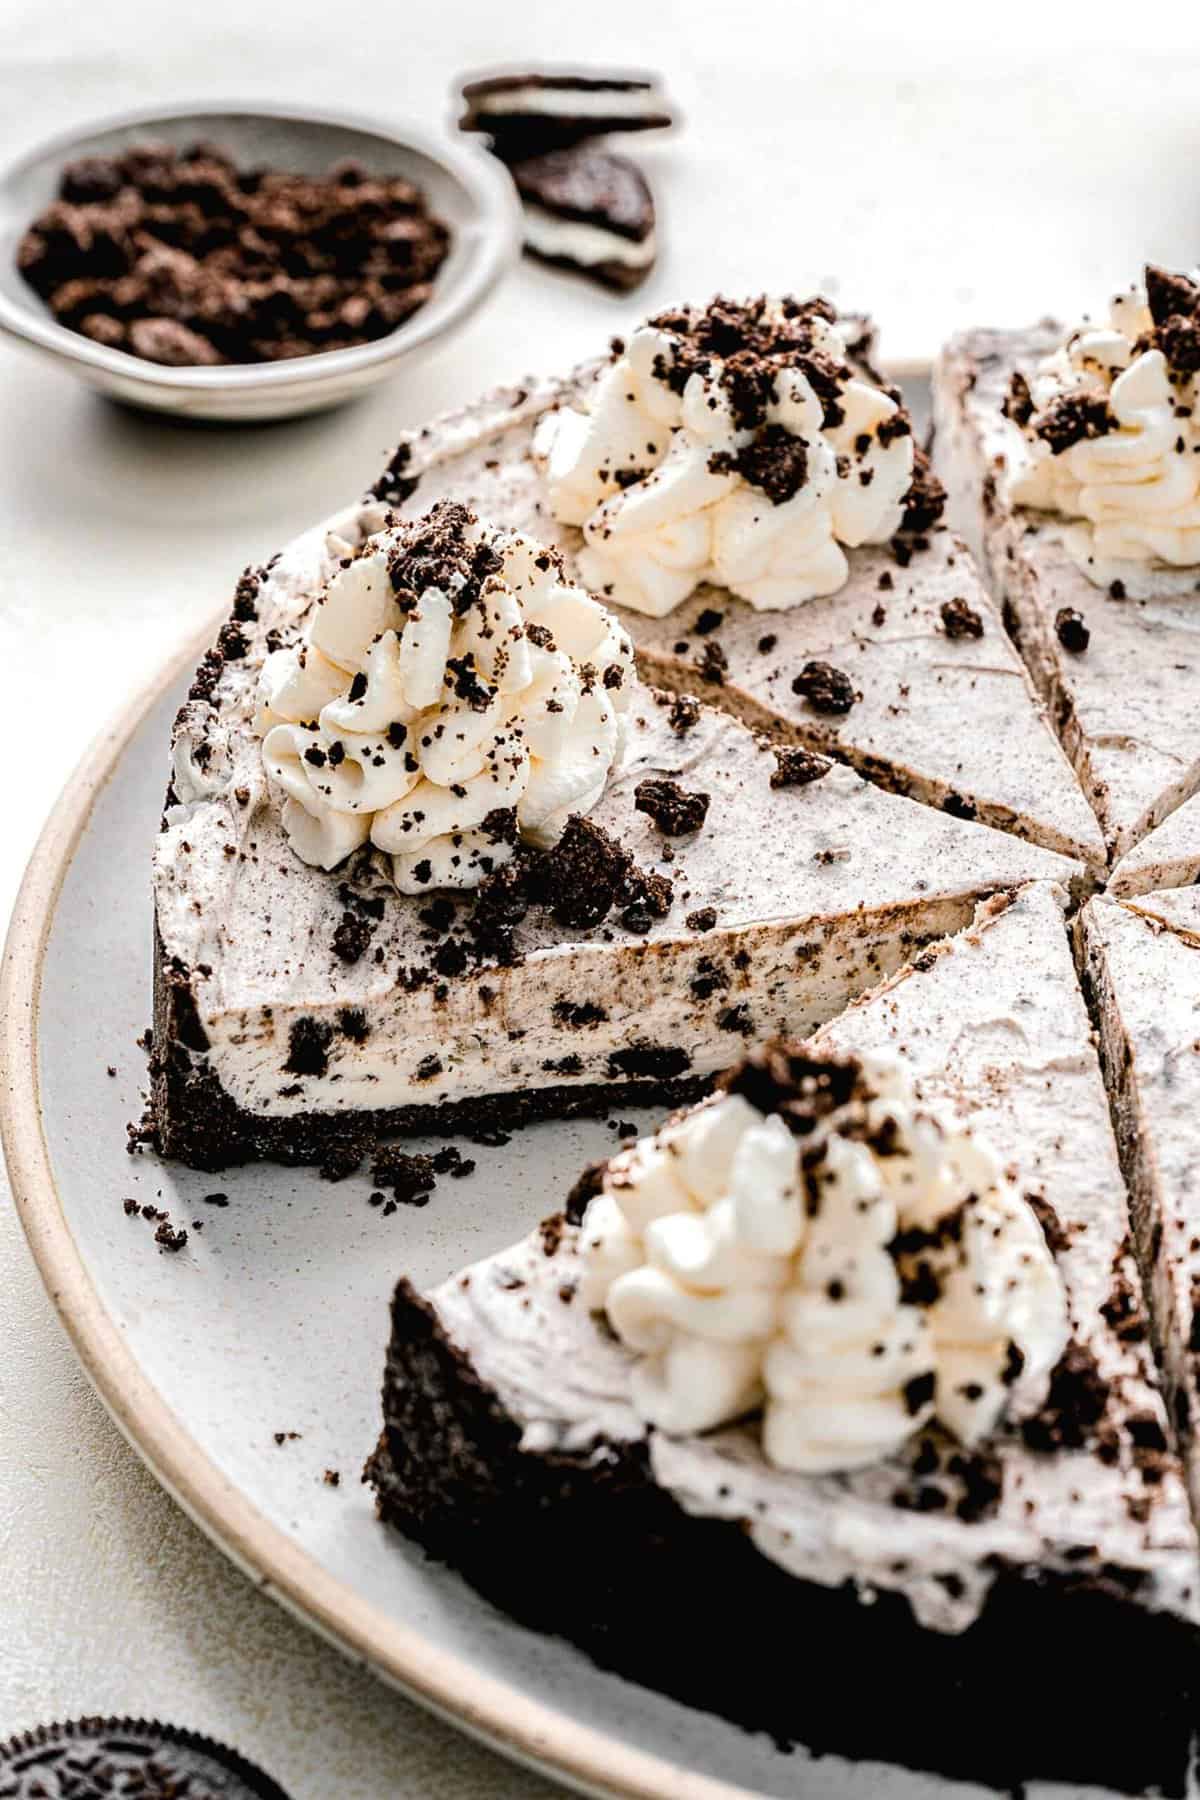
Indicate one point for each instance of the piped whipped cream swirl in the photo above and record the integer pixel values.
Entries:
(818, 1243)
(739, 444)
(452, 691)
(1111, 433)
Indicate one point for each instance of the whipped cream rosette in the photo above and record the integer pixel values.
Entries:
(453, 691)
(852, 1263)
(738, 444)
(1110, 433)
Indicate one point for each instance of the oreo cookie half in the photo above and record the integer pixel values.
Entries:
(590, 211)
(120, 1759)
(535, 111)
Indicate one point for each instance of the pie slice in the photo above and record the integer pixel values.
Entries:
(950, 1585)
(924, 691)
(1142, 960)
(1115, 652)
(715, 891)
(1167, 857)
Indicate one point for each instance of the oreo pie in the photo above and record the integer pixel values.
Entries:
(831, 1408)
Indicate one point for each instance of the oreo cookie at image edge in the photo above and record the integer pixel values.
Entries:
(109, 1759)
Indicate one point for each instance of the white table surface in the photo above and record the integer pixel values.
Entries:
(939, 162)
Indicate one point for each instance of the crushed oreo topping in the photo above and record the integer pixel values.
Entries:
(796, 767)
(673, 809)
(826, 689)
(773, 460)
(1071, 630)
(1070, 418)
(1174, 302)
(782, 1077)
(411, 1178)
(352, 938)
(748, 344)
(684, 713)
(585, 874)
(960, 620)
(180, 257)
(1074, 1407)
(396, 484)
(712, 664)
(925, 500)
(437, 551)
(580, 879)
(1018, 401)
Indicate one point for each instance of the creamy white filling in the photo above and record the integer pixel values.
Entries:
(584, 244)
(570, 103)
(424, 1051)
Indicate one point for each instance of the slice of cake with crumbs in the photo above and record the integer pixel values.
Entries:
(743, 489)
(434, 859)
(852, 1352)
(1071, 461)
(1168, 857)
(1142, 963)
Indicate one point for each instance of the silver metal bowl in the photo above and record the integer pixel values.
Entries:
(464, 186)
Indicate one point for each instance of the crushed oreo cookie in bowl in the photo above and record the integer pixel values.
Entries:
(238, 263)
(183, 257)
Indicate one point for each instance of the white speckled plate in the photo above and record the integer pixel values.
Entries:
(273, 1319)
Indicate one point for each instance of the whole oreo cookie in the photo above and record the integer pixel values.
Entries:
(526, 113)
(126, 1759)
(589, 211)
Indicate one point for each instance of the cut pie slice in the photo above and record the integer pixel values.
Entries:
(715, 892)
(1117, 664)
(1168, 857)
(922, 689)
(997, 1573)
(1142, 959)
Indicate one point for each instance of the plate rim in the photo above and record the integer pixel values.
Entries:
(525, 1730)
